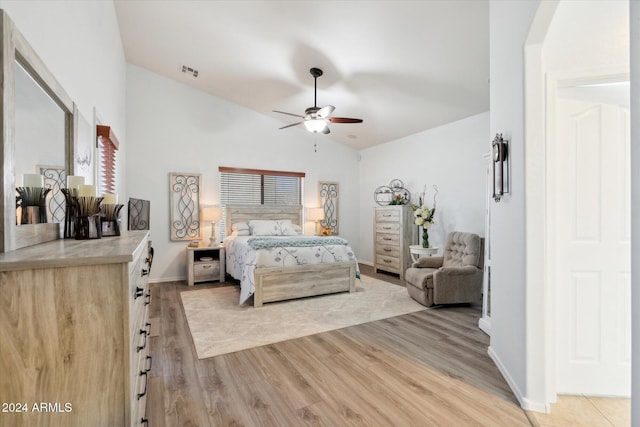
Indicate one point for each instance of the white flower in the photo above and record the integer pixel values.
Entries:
(419, 221)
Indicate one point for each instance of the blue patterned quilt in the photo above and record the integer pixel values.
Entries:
(297, 242)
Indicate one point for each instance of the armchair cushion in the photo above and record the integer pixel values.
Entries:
(428, 262)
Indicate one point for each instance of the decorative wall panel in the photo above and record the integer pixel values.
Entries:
(184, 195)
(329, 192)
(55, 178)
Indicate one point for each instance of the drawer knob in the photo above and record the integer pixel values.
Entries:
(139, 292)
(144, 272)
(150, 360)
(147, 298)
(146, 381)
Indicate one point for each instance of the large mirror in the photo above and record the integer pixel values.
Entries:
(37, 137)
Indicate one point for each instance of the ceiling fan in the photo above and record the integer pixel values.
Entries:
(317, 119)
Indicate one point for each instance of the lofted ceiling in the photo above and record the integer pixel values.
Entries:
(401, 66)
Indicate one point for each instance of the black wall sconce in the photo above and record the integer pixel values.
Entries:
(500, 155)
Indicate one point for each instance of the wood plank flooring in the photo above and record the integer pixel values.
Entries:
(428, 368)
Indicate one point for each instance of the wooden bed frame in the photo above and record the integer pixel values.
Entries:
(298, 281)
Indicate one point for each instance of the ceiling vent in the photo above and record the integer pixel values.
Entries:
(190, 71)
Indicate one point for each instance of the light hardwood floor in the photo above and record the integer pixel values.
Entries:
(428, 368)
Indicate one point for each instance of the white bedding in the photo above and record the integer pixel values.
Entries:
(242, 259)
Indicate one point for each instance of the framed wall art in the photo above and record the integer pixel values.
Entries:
(184, 199)
(329, 192)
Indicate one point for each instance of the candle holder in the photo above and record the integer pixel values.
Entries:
(111, 219)
(70, 211)
(33, 201)
(88, 221)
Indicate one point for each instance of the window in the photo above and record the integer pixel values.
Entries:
(107, 146)
(259, 187)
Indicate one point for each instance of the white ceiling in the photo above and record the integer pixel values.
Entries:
(401, 66)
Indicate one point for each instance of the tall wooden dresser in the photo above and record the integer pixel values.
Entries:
(73, 332)
(394, 231)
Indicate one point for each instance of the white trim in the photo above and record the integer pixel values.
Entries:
(525, 403)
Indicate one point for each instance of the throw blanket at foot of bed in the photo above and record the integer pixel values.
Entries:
(283, 242)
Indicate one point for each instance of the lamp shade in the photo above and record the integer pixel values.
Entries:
(211, 213)
(315, 214)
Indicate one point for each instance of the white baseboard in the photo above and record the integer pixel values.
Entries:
(525, 403)
(369, 263)
(485, 325)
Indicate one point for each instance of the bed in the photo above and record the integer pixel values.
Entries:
(277, 267)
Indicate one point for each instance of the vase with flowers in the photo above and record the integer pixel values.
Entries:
(424, 216)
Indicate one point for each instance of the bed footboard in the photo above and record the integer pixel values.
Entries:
(283, 283)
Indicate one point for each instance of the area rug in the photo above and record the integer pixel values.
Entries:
(219, 325)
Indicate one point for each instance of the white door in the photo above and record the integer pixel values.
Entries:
(592, 199)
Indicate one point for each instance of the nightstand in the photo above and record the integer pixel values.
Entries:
(205, 264)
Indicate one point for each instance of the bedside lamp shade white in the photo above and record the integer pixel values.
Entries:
(74, 181)
(213, 214)
(32, 180)
(316, 215)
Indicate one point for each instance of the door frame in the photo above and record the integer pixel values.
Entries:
(540, 88)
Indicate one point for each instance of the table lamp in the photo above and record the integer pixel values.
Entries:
(316, 215)
(213, 214)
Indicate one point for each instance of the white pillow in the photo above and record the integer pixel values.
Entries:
(283, 227)
(240, 226)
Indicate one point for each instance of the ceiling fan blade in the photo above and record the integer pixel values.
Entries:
(325, 111)
(343, 120)
(292, 124)
(289, 114)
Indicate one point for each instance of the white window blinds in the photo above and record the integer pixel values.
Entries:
(259, 187)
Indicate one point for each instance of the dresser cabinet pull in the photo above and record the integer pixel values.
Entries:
(387, 215)
(386, 260)
(147, 298)
(144, 421)
(387, 238)
(387, 228)
(147, 327)
(144, 272)
(146, 380)
(387, 250)
(139, 292)
(150, 360)
(143, 333)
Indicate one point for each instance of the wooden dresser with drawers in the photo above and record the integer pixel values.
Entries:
(394, 232)
(73, 332)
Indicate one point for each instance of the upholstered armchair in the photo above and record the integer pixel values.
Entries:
(455, 277)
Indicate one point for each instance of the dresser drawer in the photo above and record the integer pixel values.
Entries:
(388, 262)
(202, 270)
(392, 251)
(388, 227)
(383, 215)
(387, 239)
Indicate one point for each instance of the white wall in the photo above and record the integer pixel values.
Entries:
(510, 23)
(80, 44)
(174, 128)
(449, 156)
(635, 211)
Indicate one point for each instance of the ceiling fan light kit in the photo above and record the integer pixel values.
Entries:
(316, 119)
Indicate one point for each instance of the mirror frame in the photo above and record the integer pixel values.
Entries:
(16, 48)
